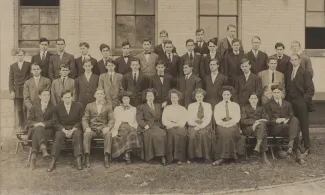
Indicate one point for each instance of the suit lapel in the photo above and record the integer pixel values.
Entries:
(151, 110)
(225, 43)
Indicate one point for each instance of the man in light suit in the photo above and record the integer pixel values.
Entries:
(34, 86)
(270, 77)
(98, 122)
(60, 58)
(257, 58)
(201, 47)
(283, 59)
(84, 47)
(172, 60)
(304, 58)
(147, 59)
(43, 57)
(160, 49)
(191, 55)
(123, 62)
(106, 53)
(111, 83)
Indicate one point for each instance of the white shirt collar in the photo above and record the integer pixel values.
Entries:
(137, 72)
(247, 75)
(37, 78)
(236, 52)
(271, 71)
(296, 68)
(67, 106)
(189, 53)
(188, 75)
(20, 63)
(230, 39)
(41, 53)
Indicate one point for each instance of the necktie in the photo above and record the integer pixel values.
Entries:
(191, 56)
(111, 78)
(105, 62)
(200, 112)
(272, 77)
(83, 59)
(227, 111)
(255, 53)
(63, 82)
(169, 58)
(200, 45)
(126, 107)
(43, 56)
(293, 74)
(278, 103)
(135, 78)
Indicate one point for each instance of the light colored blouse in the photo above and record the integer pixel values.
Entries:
(128, 116)
(220, 112)
(174, 114)
(193, 110)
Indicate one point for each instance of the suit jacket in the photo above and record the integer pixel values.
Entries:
(274, 111)
(306, 63)
(162, 88)
(196, 64)
(212, 89)
(17, 78)
(160, 51)
(283, 64)
(265, 78)
(231, 68)
(97, 121)
(249, 115)
(121, 66)
(258, 63)
(147, 116)
(223, 48)
(56, 62)
(148, 67)
(57, 88)
(112, 90)
(101, 67)
(137, 88)
(205, 66)
(68, 121)
(173, 67)
(79, 66)
(85, 90)
(31, 91)
(44, 64)
(244, 88)
(202, 50)
(186, 87)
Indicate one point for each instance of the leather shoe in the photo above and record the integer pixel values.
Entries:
(33, 161)
(107, 160)
(127, 158)
(52, 165)
(87, 161)
(79, 164)
(163, 161)
(301, 161)
(218, 162)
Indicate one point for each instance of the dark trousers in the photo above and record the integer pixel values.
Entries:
(21, 111)
(39, 136)
(88, 136)
(60, 138)
(260, 133)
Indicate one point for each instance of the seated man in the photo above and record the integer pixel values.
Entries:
(283, 122)
(98, 122)
(253, 123)
(39, 125)
(67, 124)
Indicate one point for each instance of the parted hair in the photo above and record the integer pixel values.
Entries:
(272, 58)
(86, 60)
(279, 44)
(84, 44)
(65, 92)
(197, 91)
(103, 45)
(149, 90)
(180, 95)
(214, 60)
(125, 94)
(43, 90)
(64, 66)
(226, 88)
(109, 60)
(43, 39)
(274, 87)
(235, 41)
(189, 41)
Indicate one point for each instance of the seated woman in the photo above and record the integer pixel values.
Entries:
(153, 136)
(229, 144)
(174, 118)
(200, 132)
(253, 122)
(125, 137)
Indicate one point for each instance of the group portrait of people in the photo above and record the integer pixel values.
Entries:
(162, 106)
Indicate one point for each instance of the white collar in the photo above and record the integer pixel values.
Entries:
(271, 71)
(60, 54)
(191, 52)
(216, 74)
(20, 62)
(255, 51)
(136, 72)
(224, 101)
(296, 68)
(247, 75)
(236, 53)
(63, 77)
(41, 52)
(37, 78)
(67, 106)
(188, 75)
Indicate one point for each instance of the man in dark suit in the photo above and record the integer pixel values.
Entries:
(304, 58)
(84, 47)
(135, 82)
(98, 121)
(18, 74)
(40, 125)
(60, 58)
(213, 82)
(188, 83)
(106, 53)
(204, 65)
(247, 83)
(283, 59)
(123, 62)
(162, 82)
(43, 57)
(160, 49)
(86, 85)
(172, 60)
(190, 55)
(201, 47)
(300, 91)
(257, 58)
(67, 124)
(282, 121)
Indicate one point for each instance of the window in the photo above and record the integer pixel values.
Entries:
(315, 24)
(38, 18)
(215, 15)
(134, 20)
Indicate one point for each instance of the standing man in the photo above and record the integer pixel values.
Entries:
(43, 57)
(283, 59)
(160, 49)
(257, 58)
(18, 74)
(172, 61)
(300, 91)
(304, 58)
(147, 59)
(123, 62)
(205, 66)
(84, 47)
(191, 55)
(106, 53)
(60, 58)
(201, 47)
(111, 83)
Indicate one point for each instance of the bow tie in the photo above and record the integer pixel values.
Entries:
(161, 75)
(147, 52)
(126, 56)
(126, 107)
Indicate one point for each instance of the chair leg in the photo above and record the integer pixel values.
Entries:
(29, 156)
(272, 152)
(17, 146)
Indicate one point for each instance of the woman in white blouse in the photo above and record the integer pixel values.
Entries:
(230, 143)
(201, 134)
(174, 118)
(125, 137)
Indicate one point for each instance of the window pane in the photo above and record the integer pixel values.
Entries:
(145, 7)
(125, 6)
(28, 44)
(315, 5)
(125, 30)
(29, 16)
(315, 38)
(51, 32)
(315, 19)
(223, 23)
(209, 7)
(29, 32)
(210, 26)
(49, 16)
(228, 7)
(145, 28)
(39, 2)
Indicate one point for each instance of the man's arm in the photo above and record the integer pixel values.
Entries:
(81, 113)
(309, 86)
(72, 65)
(111, 119)
(244, 118)
(53, 94)
(11, 80)
(76, 86)
(56, 121)
(26, 94)
(86, 118)
(51, 68)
